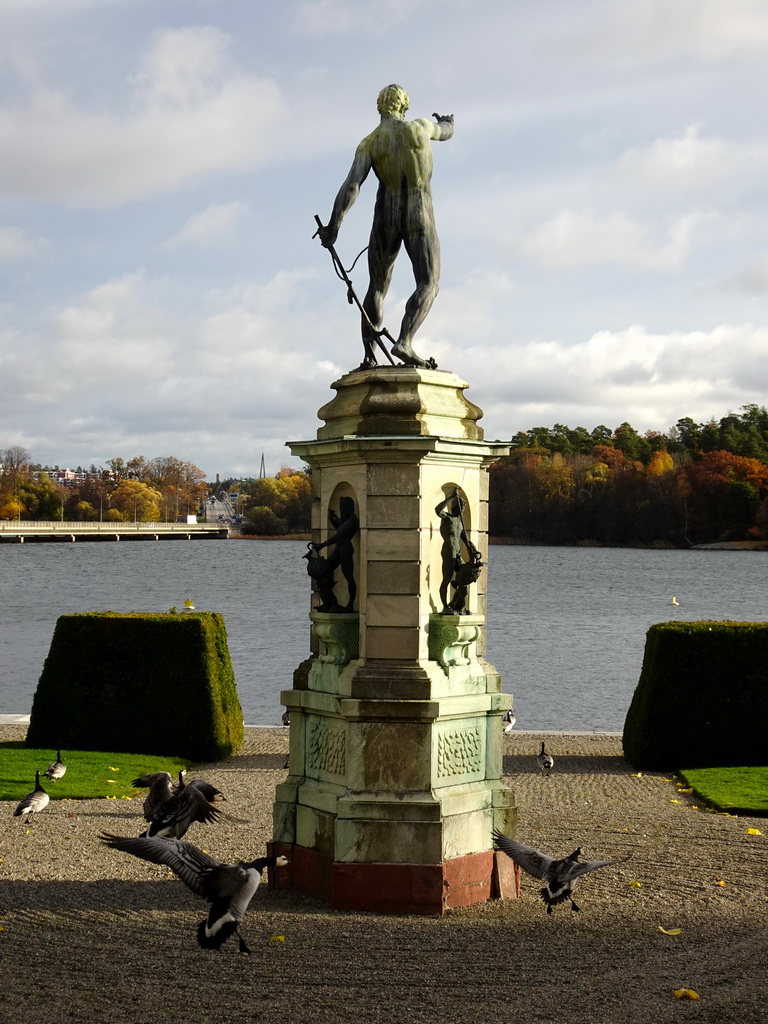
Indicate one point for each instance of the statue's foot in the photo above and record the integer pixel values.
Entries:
(368, 363)
(409, 357)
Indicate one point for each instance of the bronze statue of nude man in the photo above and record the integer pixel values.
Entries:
(400, 154)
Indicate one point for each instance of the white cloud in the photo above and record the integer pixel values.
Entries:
(648, 379)
(184, 66)
(114, 372)
(638, 30)
(194, 113)
(685, 161)
(572, 239)
(18, 244)
(209, 226)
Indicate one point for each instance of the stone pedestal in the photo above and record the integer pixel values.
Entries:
(396, 732)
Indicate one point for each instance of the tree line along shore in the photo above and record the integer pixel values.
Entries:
(698, 483)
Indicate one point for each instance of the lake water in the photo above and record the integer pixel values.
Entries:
(566, 626)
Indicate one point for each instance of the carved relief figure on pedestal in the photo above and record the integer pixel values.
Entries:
(458, 572)
(346, 525)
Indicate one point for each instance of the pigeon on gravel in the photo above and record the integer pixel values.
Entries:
(560, 875)
(229, 888)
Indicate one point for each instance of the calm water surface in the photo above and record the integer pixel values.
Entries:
(566, 626)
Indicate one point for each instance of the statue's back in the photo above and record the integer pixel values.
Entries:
(400, 150)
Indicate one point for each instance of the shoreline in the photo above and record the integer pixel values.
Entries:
(23, 720)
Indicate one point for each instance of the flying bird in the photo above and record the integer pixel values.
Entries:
(56, 768)
(161, 789)
(545, 761)
(229, 888)
(195, 802)
(33, 802)
(560, 875)
(509, 720)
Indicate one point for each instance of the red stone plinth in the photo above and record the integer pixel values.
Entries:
(397, 888)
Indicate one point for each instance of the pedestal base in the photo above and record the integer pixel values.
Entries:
(398, 888)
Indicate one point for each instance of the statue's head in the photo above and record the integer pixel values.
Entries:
(393, 101)
(346, 507)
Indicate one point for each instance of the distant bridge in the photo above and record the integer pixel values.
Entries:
(25, 531)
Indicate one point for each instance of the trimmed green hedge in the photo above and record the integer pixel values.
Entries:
(139, 683)
(702, 698)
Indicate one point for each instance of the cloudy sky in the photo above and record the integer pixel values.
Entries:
(601, 210)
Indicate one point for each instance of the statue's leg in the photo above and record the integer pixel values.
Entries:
(382, 252)
(423, 248)
(349, 576)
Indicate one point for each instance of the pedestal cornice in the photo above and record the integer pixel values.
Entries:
(401, 401)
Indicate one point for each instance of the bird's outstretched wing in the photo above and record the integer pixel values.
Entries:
(532, 861)
(576, 869)
(150, 780)
(186, 807)
(192, 866)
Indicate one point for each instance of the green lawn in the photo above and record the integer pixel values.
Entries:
(736, 790)
(90, 774)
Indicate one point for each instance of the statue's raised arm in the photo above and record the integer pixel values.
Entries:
(400, 154)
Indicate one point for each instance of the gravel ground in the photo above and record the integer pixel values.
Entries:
(89, 934)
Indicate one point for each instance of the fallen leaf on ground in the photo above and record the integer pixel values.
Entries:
(670, 931)
(637, 885)
(277, 938)
(719, 882)
(686, 993)
(754, 832)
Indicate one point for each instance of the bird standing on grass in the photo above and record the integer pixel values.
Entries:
(229, 888)
(560, 875)
(509, 720)
(56, 768)
(161, 789)
(195, 802)
(33, 802)
(545, 761)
